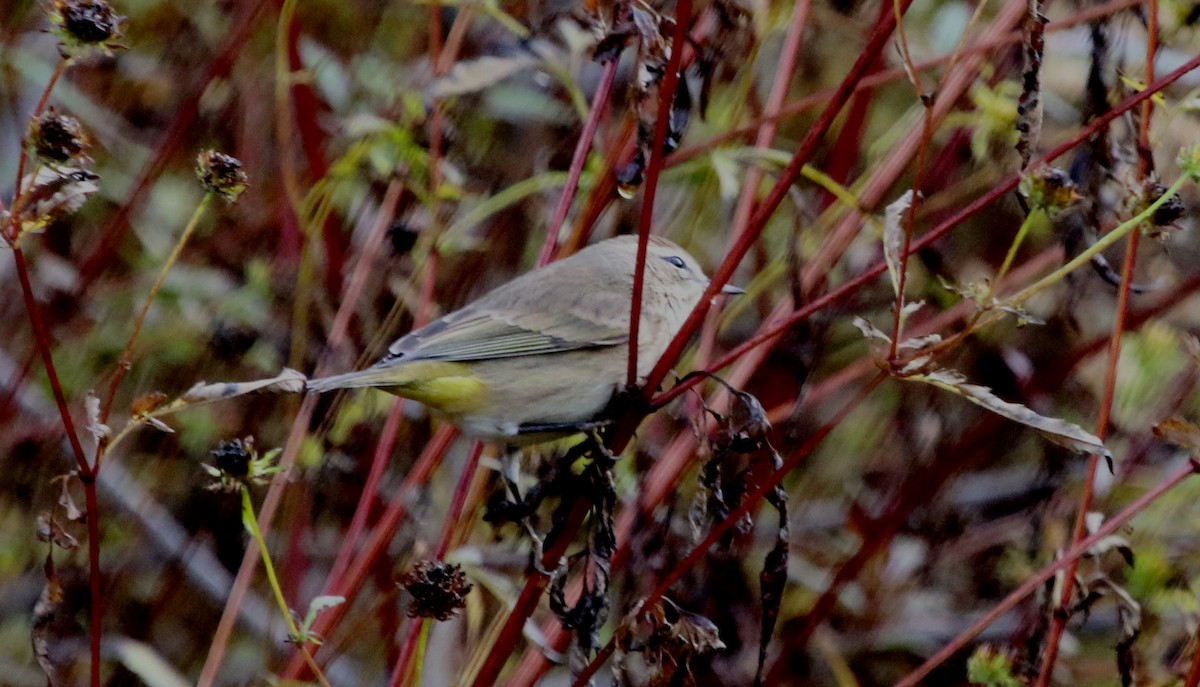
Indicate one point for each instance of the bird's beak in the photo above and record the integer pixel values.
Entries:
(732, 290)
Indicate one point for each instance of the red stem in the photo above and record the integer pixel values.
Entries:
(666, 96)
(875, 79)
(178, 133)
(933, 235)
(1062, 615)
(749, 502)
(778, 192)
(599, 103)
(1036, 581)
(527, 601)
(351, 583)
(453, 523)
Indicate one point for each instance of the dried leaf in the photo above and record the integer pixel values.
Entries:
(74, 513)
(146, 403)
(49, 531)
(470, 76)
(53, 193)
(870, 331)
(893, 236)
(917, 343)
(1029, 107)
(1061, 432)
(287, 382)
(1179, 432)
(159, 425)
(91, 407)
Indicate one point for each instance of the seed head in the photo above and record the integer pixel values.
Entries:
(438, 590)
(85, 24)
(221, 174)
(56, 138)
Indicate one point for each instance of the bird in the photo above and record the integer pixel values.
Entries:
(542, 355)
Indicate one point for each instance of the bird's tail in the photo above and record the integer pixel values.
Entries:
(372, 376)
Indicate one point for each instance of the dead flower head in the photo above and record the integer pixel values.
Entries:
(57, 138)
(83, 25)
(438, 590)
(221, 173)
(237, 464)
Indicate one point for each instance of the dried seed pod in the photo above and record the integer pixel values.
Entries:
(438, 590)
(221, 173)
(56, 138)
(85, 24)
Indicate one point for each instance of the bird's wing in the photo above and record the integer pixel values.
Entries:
(471, 334)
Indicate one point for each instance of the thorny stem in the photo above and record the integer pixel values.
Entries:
(251, 522)
(1036, 581)
(126, 359)
(666, 96)
(749, 502)
(599, 103)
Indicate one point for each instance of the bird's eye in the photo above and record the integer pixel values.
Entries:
(676, 261)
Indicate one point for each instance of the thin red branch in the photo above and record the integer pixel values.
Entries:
(804, 153)
(352, 582)
(1036, 581)
(527, 600)
(750, 501)
(666, 96)
(878, 78)
(599, 103)
(1062, 615)
(933, 235)
(453, 524)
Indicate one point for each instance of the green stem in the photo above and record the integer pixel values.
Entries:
(1107, 240)
(251, 522)
(419, 658)
(126, 358)
(1012, 250)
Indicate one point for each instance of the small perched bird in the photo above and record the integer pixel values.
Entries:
(543, 354)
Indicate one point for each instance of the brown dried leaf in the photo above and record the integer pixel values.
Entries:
(1029, 107)
(1179, 432)
(49, 531)
(74, 513)
(147, 403)
(287, 382)
(1061, 432)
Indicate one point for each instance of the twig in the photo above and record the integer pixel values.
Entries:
(933, 235)
(766, 209)
(1062, 614)
(750, 501)
(666, 96)
(582, 146)
(126, 359)
(1036, 581)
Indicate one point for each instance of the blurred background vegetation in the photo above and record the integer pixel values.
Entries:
(916, 514)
